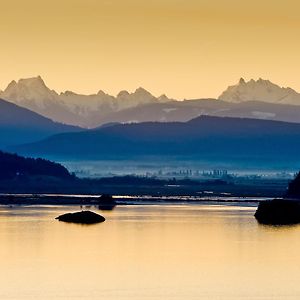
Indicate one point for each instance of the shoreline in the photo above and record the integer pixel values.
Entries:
(93, 200)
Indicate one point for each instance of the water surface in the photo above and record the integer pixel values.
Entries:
(147, 252)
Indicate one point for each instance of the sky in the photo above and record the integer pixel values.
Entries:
(183, 48)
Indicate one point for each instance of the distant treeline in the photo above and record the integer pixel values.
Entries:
(39, 176)
(139, 180)
(13, 166)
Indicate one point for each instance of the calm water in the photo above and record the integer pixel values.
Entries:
(147, 252)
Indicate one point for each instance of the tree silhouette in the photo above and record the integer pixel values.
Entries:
(13, 165)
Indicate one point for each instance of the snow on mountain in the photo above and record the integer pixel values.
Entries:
(84, 105)
(69, 107)
(246, 99)
(30, 92)
(260, 90)
(139, 97)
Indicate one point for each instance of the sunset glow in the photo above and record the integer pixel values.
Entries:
(186, 49)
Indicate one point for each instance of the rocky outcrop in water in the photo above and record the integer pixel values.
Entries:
(82, 217)
(278, 212)
(106, 202)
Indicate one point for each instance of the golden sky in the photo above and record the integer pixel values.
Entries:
(184, 48)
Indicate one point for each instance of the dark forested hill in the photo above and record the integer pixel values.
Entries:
(20, 125)
(13, 166)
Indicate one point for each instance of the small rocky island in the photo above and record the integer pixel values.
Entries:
(106, 202)
(82, 217)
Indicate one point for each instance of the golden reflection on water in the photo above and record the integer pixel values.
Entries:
(147, 252)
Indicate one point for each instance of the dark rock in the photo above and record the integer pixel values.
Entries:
(106, 202)
(82, 217)
(278, 212)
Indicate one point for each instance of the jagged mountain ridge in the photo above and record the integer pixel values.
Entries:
(70, 107)
(260, 90)
(259, 99)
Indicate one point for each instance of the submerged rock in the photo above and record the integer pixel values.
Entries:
(82, 217)
(278, 212)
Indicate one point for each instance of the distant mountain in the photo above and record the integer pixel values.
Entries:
(203, 138)
(260, 90)
(259, 99)
(183, 111)
(72, 108)
(20, 125)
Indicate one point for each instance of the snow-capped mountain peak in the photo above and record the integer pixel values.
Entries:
(69, 107)
(102, 93)
(31, 91)
(68, 93)
(123, 94)
(33, 81)
(242, 81)
(260, 90)
(164, 98)
(142, 92)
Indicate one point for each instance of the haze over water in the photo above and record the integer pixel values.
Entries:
(147, 252)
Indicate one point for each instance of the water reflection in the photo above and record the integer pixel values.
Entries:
(106, 206)
(99, 207)
(147, 252)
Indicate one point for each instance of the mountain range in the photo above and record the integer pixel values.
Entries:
(72, 108)
(204, 138)
(260, 90)
(259, 99)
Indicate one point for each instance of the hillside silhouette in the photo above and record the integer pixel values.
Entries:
(206, 138)
(14, 166)
(20, 125)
